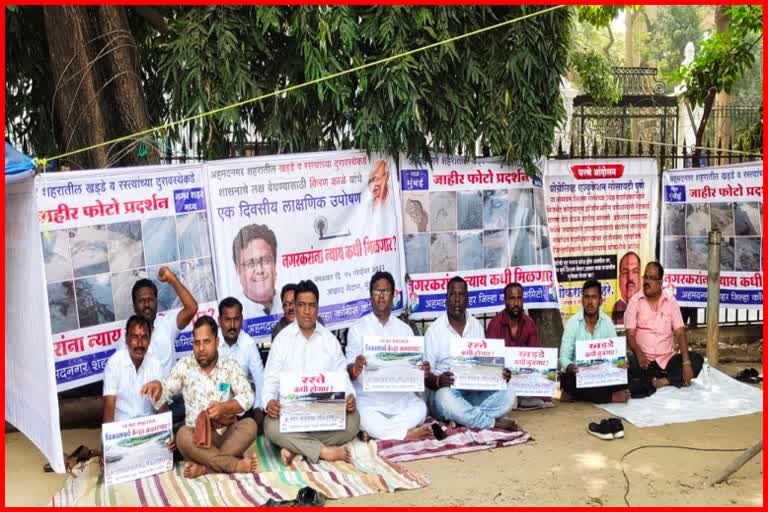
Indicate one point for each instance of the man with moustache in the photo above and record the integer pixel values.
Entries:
(629, 284)
(588, 324)
(516, 329)
(480, 409)
(390, 415)
(652, 319)
(215, 386)
(307, 347)
(164, 328)
(241, 348)
(287, 296)
(127, 371)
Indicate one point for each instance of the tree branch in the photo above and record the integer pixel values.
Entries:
(152, 16)
(611, 40)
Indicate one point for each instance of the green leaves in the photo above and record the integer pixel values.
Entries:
(594, 71)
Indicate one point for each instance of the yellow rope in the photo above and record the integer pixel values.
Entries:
(302, 85)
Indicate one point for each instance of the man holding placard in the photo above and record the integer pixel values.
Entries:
(468, 407)
(588, 324)
(216, 394)
(652, 319)
(306, 348)
(390, 412)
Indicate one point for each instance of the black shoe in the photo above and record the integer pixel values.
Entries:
(617, 427)
(438, 432)
(602, 430)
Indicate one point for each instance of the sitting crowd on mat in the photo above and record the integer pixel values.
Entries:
(222, 396)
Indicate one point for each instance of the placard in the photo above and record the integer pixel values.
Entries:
(477, 364)
(534, 370)
(137, 448)
(312, 403)
(601, 362)
(393, 364)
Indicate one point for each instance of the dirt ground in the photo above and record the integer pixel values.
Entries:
(562, 466)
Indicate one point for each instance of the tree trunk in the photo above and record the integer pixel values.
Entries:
(723, 127)
(98, 92)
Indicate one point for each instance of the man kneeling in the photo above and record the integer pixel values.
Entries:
(216, 394)
(304, 347)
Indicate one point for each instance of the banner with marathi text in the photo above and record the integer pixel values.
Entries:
(100, 232)
(332, 217)
(726, 198)
(483, 221)
(602, 214)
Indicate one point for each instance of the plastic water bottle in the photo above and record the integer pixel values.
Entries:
(704, 374)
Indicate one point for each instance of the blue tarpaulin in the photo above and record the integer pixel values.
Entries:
(18, 166)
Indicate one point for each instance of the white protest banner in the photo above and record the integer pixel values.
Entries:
(601, 362)
(534, 370)
(483, 222)
(726, 198)
(602, 214)
(332, 217)
(137, 448)
(312, 403)
(393, 364)
(103, 230)
(477, 364)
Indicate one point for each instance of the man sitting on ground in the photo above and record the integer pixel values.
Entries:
(588, 324)
(287, 296)
(516, 329)
(652, 319)
(306, 347)
(241, 347)
(480, 409)
(127, 371)
(390, 415)
(215, 387)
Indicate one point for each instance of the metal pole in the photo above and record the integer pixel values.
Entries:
(713, 297)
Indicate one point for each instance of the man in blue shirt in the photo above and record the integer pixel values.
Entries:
(588, 324)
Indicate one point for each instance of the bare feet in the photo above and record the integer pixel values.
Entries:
(247, 465)
(194, 470)
(620, 396)
(507, 424)
(334, 453)
(286, 456)
(565, 397)
(419, 432)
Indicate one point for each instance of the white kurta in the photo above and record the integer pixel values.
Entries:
(383, 415)
(291, 352)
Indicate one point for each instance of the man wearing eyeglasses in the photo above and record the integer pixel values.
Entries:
(392, 415)
(652, 320)
(254, 253)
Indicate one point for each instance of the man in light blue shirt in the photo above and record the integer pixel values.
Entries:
(588, 324)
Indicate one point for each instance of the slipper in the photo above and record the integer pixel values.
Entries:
(749, 375)
(81, 454)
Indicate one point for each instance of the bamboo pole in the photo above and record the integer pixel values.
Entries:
(713, 297)
(736, 464)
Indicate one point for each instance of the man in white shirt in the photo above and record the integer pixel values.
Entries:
(241, 348)
(127, 371)
(305, 347)
(479, 409)
(164, 328)
(384, 415)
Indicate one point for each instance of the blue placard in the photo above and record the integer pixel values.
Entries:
(414, 179)
(674, 193)
(189, 200)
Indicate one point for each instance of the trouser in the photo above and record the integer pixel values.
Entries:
(641, 381)
(599, 395)
(380, 425)
(478, 409)
(309, 444)
(226, 449)
(178, 409)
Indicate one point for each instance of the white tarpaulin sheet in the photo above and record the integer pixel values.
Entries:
(707, 398)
